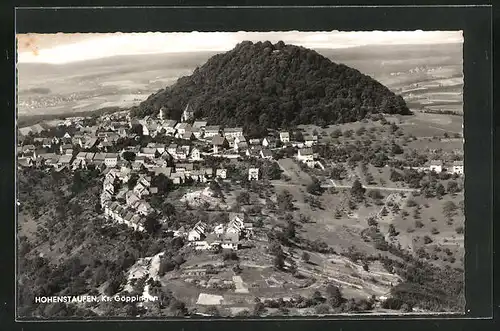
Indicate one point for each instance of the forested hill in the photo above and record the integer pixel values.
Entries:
(266, 85)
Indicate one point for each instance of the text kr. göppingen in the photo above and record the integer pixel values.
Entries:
(95, 298)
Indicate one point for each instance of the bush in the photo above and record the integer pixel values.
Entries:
(434, 231)
(419, 224)
(306, 257)
(460, 229)
(322, 309)
(427, 240)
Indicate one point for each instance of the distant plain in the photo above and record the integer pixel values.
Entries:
(429, 77)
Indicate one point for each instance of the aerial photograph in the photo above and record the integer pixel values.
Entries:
(239, 174)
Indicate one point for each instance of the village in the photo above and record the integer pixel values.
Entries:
(177, 151)
(88, 146)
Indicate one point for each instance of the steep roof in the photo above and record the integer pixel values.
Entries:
(218, 140)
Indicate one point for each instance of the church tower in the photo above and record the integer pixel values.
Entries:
(187, 114)
(163, 113)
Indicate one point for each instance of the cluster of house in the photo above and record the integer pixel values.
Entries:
(133, 212)
(224, 142)
(438, 166)
(222, 236)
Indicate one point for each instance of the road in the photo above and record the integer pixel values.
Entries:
(368, 187)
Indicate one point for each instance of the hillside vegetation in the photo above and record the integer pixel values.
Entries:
(265, 85)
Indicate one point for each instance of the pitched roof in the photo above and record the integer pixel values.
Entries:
(266, 153)
(187, 166)
(458, 163)
(162, 170)
(306, 151)
(185, 126)
(199, 124)
(218, 140)
(212, 128)
(170, 123)
(230, 130)
(99, 156)
(65, 158)
(111, 155)
(148, 150)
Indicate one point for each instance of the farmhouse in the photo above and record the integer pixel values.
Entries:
(233, 132)
(219, 143)
(147, 152)
(182, 128)
(199, 124)
(458, 167)
(211, 131)
(111, 159)
(63, 148)
(230, 241)
(266, 154)
(160, 148)
(306, 155)
(195, 154)
(184, 168)
(436, 165)
(198, 232)
(269, 142)
(254, 142)
(221, 173)
(230, 142)
(310, 140)
(284, 137)
(188, 135)
(171, 149)
(195, 272)
(65, 160)
(89, 143)
(169, 126)
(253, 174)
(241, 146)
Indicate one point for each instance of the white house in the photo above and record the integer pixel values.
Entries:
(458, 167)
(253, 174)
(284, 137)
(171, 149)
(147, 152)
(233, 132)
(221, 173)
(230, 241)
(200, 125)
(436, 165)
(198, 232)
(269, 142)
(219, 143)
(266, 154)
(219, 229)
(310, 140)
(211, 131)
(195, 154)
(111, 159)
(182, 128)
(169, 127)
(241, 146)
(306, 155)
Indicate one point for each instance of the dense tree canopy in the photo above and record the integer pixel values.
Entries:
(261, 85)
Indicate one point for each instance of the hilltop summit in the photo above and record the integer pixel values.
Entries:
(273, 85)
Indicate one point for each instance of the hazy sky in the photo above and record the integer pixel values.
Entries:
(63, 48)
